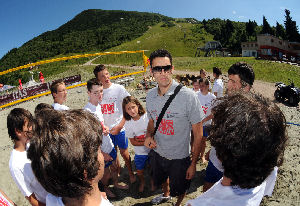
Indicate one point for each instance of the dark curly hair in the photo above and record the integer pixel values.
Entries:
(244, 71)
(160, 53)
(249, 134)
(64, 151)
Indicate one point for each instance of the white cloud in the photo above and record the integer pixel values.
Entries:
(234, 12)
(242, 17)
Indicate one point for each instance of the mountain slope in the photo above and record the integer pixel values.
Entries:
(90, 30)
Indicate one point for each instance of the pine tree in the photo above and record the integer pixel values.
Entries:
(291, 28)
(280, 32)
(266, 27)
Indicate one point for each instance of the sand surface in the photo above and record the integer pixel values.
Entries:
(287, 189)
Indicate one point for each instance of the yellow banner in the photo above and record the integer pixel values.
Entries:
(67, 58)
(145, 62)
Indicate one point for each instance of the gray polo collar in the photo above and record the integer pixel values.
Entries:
(171, 89)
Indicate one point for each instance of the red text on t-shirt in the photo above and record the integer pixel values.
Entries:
(108, 108)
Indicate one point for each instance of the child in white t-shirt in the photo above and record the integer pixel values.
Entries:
(206, 99)
(19, 125)
(136, 127)
(59, 94)
(66, 157)
(95, 93)
(111, 104)
(196, 85)
(218, 86)
(249, 136)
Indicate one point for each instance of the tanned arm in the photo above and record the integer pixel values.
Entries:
(198, 133)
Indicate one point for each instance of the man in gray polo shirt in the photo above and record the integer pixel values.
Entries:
(170, 159)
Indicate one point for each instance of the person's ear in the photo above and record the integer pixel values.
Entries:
(172, 70)
(18, 133)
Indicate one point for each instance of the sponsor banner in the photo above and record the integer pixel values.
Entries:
(36, 89)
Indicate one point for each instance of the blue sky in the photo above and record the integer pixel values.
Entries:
(22, 20)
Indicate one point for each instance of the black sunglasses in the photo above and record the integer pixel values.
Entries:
(160, 68)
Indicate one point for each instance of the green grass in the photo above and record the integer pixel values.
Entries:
(264, 70)
(182, 44)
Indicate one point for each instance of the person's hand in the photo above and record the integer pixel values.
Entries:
(105, 130)
(107, 157)
(150, 143)
(190, 172)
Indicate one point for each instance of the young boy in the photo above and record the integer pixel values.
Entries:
(113, 95)
(67, 159)
(95, 93)
(59, 94)
(19, 125)
(249, 135)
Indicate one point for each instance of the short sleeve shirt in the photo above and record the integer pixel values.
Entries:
(107, 144)
(21, 172)
(173, 134)
(218, 87)
(60, 107)
(111, 104)
(137, 129)
(219, 195)
(206, 102)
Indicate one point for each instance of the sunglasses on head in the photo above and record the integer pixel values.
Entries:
(166, 68)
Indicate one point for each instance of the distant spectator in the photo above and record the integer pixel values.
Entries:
(59, 94)
(241, 76)
(217, 89)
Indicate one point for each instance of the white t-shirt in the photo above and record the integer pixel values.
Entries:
(206, 102)
(215, 160)
(21, 171)
(107, 144)
(218, 87)
(57, 201)
(60, 107)
(111, 104)
(219, 195)
(137, 129)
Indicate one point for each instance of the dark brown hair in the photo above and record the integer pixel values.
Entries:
(131, 99)
(55, 84)
(249, 134)
(64, 152)
(98, 69)
(16, 120)
(93, 82)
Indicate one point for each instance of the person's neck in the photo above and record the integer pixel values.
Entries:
(226, 181)
(95, 103)
(162, 90)
(136, 118)
(204, 93)
(58, 101)
(20, 145)
(107, 85)
(93, 198)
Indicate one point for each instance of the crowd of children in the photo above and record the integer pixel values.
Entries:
(63, 156)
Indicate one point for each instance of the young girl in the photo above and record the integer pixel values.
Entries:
(206, 98)
(136, 126)
(217, 89)
(196, 85)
